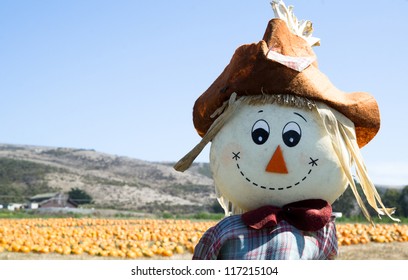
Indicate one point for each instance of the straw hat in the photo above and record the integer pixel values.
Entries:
(284, 63)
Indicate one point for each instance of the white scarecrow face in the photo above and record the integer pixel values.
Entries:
(273, 155)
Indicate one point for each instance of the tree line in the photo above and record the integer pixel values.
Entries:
(392, 198)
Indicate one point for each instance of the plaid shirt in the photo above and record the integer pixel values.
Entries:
(231, 239)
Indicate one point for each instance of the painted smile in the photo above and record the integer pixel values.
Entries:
(313, 163)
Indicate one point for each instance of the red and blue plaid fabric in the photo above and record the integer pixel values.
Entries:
(231, 239)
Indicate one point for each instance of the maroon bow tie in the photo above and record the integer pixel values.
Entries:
(306, 215)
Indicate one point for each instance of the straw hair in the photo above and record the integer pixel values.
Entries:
(341, 130)
(228, 109)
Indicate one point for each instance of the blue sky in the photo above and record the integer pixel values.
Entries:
(121, 77)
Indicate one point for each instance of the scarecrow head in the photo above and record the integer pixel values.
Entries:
(281, 132)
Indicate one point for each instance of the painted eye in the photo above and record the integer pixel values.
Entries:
(260, 132)
(291, 134)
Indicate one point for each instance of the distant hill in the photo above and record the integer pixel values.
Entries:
(113, 181)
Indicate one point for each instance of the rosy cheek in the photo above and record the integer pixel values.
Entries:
(229, 152)
(304, 158)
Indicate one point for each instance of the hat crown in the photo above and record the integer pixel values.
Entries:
(280, 39)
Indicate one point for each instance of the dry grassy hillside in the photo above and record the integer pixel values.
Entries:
(114, 181)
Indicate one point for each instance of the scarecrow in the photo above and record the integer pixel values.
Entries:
(284, 144)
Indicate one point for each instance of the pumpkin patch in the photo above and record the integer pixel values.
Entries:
(144, 238)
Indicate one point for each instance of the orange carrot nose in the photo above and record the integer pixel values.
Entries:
(277, 163)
